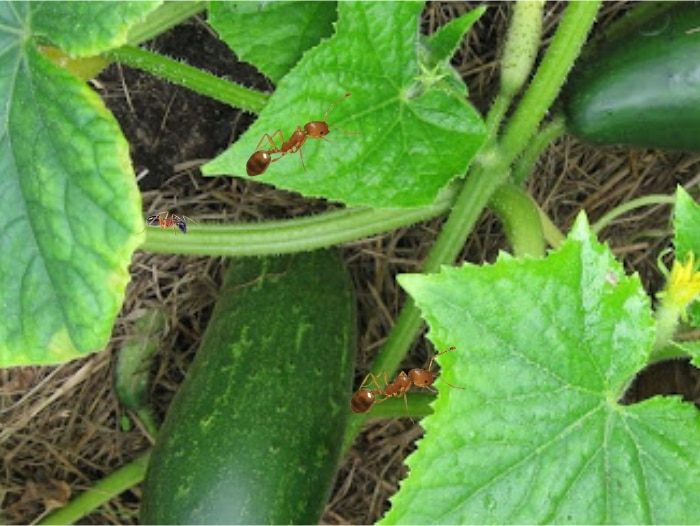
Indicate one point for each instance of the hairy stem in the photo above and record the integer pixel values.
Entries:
(488, 172)
(191, 78)
(104, 490)
(292, 235)
(521, 220)
(559, 59)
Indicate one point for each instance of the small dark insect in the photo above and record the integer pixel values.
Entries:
(167, 220)
(261, 159)
(364, 399)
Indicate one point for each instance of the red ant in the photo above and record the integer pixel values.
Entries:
(168, 220)
(261, 159)
(364, 399)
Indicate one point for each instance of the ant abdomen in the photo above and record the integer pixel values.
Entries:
(258, 163)
(362, 401)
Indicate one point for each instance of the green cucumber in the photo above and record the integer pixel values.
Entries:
(641, 89)
(254, 433)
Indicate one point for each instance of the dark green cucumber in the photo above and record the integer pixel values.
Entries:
(643, 88)
(254, 434)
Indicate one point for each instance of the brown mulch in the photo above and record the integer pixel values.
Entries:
(63, 428)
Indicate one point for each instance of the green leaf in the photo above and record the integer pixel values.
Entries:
(545, 349)
(132, 372)
(686, 231)
(87, 28)
(414, 136)
(246, 28)
(442, 44)
(689, 348)
(686, 225)
(70, 206)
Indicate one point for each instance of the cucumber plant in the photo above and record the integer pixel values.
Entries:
(548, 440)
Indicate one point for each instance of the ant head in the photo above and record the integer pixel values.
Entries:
(316, 129)
(422, 377)
(182, 225)
(152, 219)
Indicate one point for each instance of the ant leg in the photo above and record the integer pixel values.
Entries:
(405, 401)
(378, 401)
(270, 139)
(301, 156)
(386, 380)
(374, 380)
(364, 381)
(445, 381)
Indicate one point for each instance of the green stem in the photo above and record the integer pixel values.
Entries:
(103, 491)
(575, 24)
(159, 21)
(656, 199)
(539, 143)
(419, 406)
(488, 172)
(497, 111)
(666, 318)
(522, 43)
(191, 78)
(484, 179)
(551, 233)
(521, 220)
(292, 235)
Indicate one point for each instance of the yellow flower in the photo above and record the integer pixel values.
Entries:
(683, 285)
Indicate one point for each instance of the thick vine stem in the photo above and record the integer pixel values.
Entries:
(292, 235)
(488, 172)
(647, 200)
(521, 219)
(104, 490)
(191, 78)
(539, 143)
(550, 77)
(522, 45)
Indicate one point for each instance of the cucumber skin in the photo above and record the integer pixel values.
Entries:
(642, 89)
(254, 434)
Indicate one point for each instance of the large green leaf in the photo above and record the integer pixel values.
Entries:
(545, 349)
(87, 28)
(686, 225)
(70, 206)
(686, 234)
(245, 27)
(416, 129)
